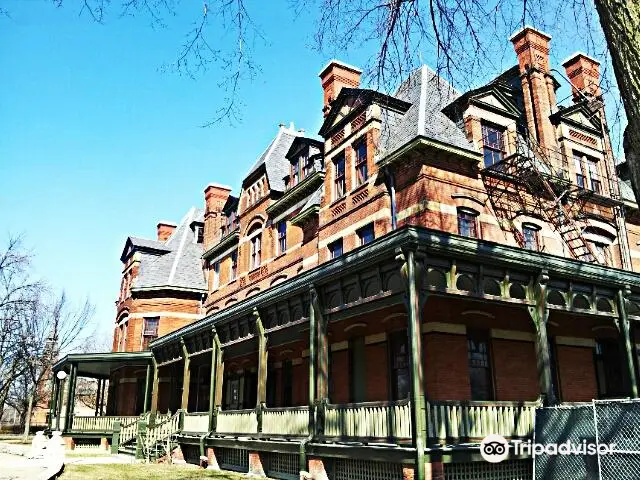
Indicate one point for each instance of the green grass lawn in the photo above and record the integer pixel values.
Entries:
(142, 471)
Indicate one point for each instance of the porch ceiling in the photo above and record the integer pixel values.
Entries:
(100, 365)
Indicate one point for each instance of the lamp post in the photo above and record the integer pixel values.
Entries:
(61, 375)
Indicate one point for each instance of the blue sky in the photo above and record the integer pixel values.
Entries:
(97, 143)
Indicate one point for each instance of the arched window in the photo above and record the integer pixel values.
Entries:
(531, 236)
(255, 237)
(600, 242)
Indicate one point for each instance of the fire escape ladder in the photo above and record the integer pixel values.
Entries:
(528, 182)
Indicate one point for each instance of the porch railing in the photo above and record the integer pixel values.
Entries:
(290, 421)
(99, 424)
(382, 421)
(455, 420)
(237, 421)
(163, 430)
(196, 422)
(129, 432)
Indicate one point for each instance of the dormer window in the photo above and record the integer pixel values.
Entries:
(492, 144)
(295, 173)
(198, 231)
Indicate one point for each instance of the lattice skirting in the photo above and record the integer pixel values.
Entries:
(233, 458)
(508, 470)
(87, 442)
(281, 465)
(347, 469)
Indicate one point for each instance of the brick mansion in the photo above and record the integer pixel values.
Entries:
(375, 299)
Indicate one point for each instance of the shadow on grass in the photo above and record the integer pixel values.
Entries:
(142, 471)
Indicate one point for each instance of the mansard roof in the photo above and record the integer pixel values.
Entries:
(174, 263)
(273, 160)
(428, 95)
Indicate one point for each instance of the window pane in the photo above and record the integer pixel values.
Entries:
(530, 238)
(400, 381)
(492, 145)
(366, 234)
(467, 223)
(479, 366)
(335, 248)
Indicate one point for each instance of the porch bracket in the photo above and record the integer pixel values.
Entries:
(539, 313)
(625, 329)
(412, 269)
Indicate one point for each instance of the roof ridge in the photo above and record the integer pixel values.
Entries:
(185, 232)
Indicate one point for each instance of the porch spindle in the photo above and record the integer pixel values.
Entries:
(417, 385)
(540, 315)
(186, 376)
(625, 330)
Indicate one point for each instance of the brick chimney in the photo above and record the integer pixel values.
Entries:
(165, 229)
(215, 196)
(335, 76)
(538, 86)
(584, 73)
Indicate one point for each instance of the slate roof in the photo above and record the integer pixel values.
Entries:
(179, 265)
(428, 95)
(274, 159)
(626, 191)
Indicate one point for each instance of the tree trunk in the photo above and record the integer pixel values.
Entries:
(620, 20)
(27, 420)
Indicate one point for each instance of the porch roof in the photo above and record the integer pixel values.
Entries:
(99, 365)
(432, 242)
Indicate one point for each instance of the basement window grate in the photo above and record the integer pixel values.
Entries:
(509, 470)
(282, 465)
(348, 469)
(87, 443)
(233, 459)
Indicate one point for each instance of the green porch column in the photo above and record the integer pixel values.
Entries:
(186, 376)
(540, 315)
(418, 432)
(219, 374)
(98, 397)
(147, 381)
(625, 329)
(216, 358)
(71, 387)
(154, 392)
(312, 359)
(263, 356)
(322, 359)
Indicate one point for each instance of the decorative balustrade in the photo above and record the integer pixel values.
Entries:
(382, 421)
(291, 421)
(98, 424)
(237, 421)
(455, 420)
(196, 422)
(160, 431)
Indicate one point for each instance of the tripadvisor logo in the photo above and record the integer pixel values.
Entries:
(494, 448)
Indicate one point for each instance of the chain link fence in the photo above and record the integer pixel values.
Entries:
(601, 437)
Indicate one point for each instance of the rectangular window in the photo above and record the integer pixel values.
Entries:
(255, 251)
(530, 234)
(335, 248)
(216, 274)
(608, 371)
(467, 223)
(287, 384)
(282, 237)
(577, 163)
(234, 265)
(199, 234)
(366, 234)
(492, 144)
(150, 331)
(339, 186)
(362, 173)
(594, 177)
(480, 377)
(601, 252)
(399, 350)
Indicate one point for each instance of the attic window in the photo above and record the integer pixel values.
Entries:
(492, 144)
